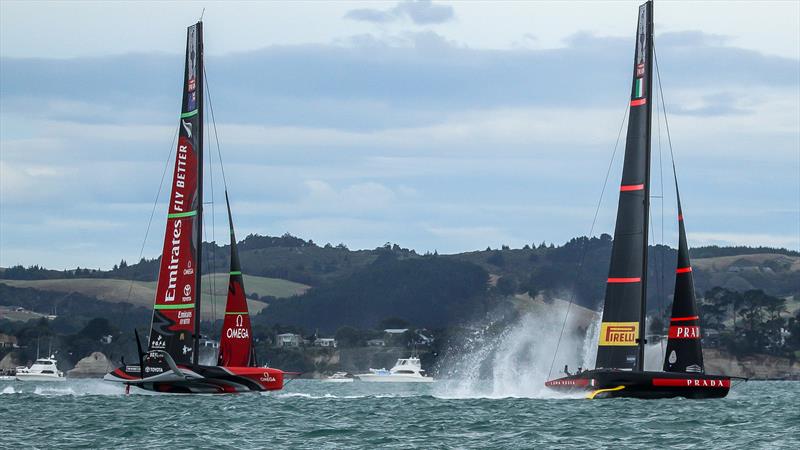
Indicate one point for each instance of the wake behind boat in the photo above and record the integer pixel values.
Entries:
(405, 370)
(170, 363)
(339, 377)
(619, 368)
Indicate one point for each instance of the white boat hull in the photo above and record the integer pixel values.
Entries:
(38, 377)
(338, 380)
(372, 378)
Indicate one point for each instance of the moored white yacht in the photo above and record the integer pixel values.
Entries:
(340, 377)
(405, 370)
(43, 369)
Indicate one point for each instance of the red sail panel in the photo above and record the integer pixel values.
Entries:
(174, 314)
(236, 340)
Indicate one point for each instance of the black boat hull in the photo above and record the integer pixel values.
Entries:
(603, 383)
(198, 379)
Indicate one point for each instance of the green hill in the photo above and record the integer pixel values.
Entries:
(141, 293)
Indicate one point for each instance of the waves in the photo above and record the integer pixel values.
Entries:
(516, 362)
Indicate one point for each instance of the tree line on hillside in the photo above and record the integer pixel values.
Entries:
(751, 322)
(296, 259)
(428, 291)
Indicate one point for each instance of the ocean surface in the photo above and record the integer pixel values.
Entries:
(317, 414)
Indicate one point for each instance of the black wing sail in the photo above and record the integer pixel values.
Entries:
(621, 330)
(175, 323)
(684, 351)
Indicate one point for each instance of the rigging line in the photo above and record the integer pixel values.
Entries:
(661, 282)
(214, 124)
(213, 284)
(666, 121)
(666, 124)
(155, 203)
(219, 152)
(591, 231)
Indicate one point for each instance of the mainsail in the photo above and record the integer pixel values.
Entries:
(621, 343)
(236, 342)
(684, 351)
(177, 301)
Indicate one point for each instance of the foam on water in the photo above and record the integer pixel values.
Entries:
(518, 360)
(74, 388)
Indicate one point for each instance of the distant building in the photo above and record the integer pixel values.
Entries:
(8, 341)
(106, 339)
(288, 340)
(376, 343)
(209, 343)
(395, 331)
(325, 342)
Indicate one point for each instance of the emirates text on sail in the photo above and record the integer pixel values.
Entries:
(177, 204)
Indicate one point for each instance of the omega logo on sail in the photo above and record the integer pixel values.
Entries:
(239, 332)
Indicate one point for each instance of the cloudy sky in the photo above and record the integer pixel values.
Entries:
(446, 126)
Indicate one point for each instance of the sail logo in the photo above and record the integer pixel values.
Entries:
(174, 258)
(187, 126)
(185, 318)
(619, 333)
(158, 343)
(694, 368)
(238, 331)
(684, 332)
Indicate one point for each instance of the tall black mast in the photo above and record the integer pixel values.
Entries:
(649, 105)
(199, 151)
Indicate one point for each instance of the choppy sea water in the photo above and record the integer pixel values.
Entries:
(317, 414)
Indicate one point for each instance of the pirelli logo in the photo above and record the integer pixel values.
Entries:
(619, 333)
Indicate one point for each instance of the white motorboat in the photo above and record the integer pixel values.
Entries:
(339, 377)
(405, 370)
(43, 369)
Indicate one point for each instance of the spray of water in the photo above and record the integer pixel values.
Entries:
(515, 361)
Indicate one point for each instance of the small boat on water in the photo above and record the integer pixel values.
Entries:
(43, 369)
(171, 362)
(339, 377)
(619, 368)
(405, 370)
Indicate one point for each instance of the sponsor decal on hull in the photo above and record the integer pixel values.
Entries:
(569, 382)
(619, 333)
(692, 382)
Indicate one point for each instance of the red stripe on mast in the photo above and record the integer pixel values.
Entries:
(684, 319)
(624, 280)
(631, 187)
(638, 102)
(683, 270)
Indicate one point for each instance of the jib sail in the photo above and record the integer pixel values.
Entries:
(684, 351)
(236, 341)
(177, 299)
(622, 327)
